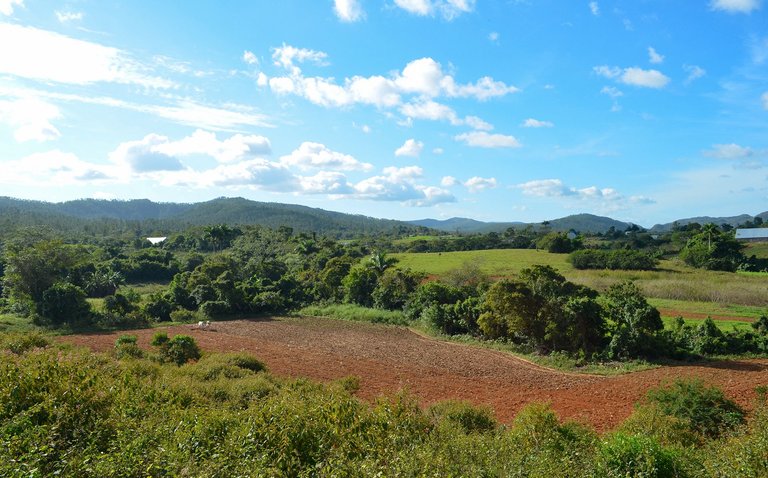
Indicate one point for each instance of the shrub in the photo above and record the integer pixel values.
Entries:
(20, 343)
(179, 350)
(617, 259)
(126, 346)
(705, 409)
(159, 308)
(624, 455)
(213, 309)
(469, 418)
(184, 315)
(64, 303)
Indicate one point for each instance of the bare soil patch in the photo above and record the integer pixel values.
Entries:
(387, 359)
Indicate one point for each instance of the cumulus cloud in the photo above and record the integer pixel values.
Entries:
(449, 9)
(52, 57)
(654, 57)
(481, 139)
(145, 155)
(411, 147)
(477, 123)
(348, 10)
(430, 110)
(423, 78)
(555, 188)
(534, 123)
(594, 8)
(7, 6)
(233, 149)
(30, 118)
(449, 181)
(477, 184)
(318, 156)
(765, 100)
(735, 6)
(250, 58)
(633, 76)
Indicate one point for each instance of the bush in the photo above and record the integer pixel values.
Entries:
(213, 309)
(20, 343)
(637, 456)
(126, 346)
(179, 350)
(64, 303)
(469, 418)
(184, 316)
(704, 409)
(159, 308)
(617, 259)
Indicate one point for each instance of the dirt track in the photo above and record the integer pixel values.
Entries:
(389, 358)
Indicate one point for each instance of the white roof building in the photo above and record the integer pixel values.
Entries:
(752, 235)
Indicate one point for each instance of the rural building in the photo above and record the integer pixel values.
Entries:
(156, 240)
(752, 235)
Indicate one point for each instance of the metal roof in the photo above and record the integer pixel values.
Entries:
(759, 233)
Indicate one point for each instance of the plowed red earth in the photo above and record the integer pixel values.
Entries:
(388, 359)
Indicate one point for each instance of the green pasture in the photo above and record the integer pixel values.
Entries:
(672, 280)
(724, 325)
(758, 249)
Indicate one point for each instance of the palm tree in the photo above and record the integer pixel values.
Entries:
(379, 262)
(709, 229)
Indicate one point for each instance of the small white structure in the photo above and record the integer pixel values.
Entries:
(752, 235)
(156, 240)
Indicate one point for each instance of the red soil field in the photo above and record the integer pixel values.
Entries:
(387, 359)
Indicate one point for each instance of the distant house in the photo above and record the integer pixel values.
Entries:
(752, 235)
(156, 240)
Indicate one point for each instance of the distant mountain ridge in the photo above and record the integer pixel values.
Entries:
(578, 222)
(170, 216)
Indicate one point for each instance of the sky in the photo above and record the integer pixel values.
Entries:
(498, 110)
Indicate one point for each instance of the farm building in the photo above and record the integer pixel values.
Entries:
(752, 235)
(156, 240)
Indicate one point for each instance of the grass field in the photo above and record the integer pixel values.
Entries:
(724, 325)
(672, 280)
(759, 249)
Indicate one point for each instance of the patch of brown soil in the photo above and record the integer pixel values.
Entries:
(388, 359)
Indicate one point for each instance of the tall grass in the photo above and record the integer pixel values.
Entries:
(355, 313)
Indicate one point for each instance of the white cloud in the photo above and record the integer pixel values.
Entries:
(255, 173)
(225, 117)
(449, 181)
(233, 149)
(318, 156)
(430, 110)
(493, 37)
(545, 188)
(423, 78)
(633, 76)
(735, 6)
(31, 119)
(438, 151)
(286, 55)
(326, 182)
(481, 139)
(411, 147)
(348, 10)
(262, 80)
(477, 184)
(477, 123)
(6, 6)
(431, 196)
(48, 56)
(534, 123)
(66, 17)
(449, 9)
(250, 58)
(765, 100)
(694, 73)
(728, 151)
(612, 92)
(654, 57)
(555, 188)
(594, 8)
(50, 168)
(144, 156)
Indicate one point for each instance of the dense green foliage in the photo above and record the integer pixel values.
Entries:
(614, 259)
(73, 413)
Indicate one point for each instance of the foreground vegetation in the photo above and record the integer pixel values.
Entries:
(73, 413)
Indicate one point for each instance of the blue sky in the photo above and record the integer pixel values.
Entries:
(642, 110)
